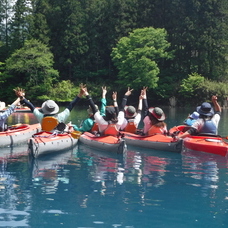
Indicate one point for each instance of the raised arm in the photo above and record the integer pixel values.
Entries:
(91, 103)
(124, 101)
(77, 98)
(114, 98)
(145, 104)
(217, 107)
(103, 100)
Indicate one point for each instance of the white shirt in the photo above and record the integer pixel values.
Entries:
(103, 124)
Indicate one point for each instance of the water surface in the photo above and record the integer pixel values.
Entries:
(88, 188)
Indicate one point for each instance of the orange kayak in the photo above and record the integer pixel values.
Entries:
(107, 143)
(18, 134)
(156, 142)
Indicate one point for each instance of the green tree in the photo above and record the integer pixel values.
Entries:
(137, 56)
(39, 28)
(20, 24)
(63, 91)
(32, 67)
(5, 14)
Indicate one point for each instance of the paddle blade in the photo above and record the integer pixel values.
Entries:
(76, 134)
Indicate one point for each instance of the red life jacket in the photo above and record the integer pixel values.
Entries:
(111, 130)
(155, 130)
(131, 127)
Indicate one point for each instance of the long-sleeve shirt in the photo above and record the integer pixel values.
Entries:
(89, 122)
(62, 116)
(5, 115)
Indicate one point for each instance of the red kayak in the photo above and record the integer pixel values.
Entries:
(208, 144)
(156, 142)
(213, 144)
(107, 143)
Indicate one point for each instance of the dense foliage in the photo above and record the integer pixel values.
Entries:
(46, 44)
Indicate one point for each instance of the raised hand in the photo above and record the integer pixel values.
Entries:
(143, 92)
(83, 90)
(114, 96)
(104, 91)
(19, 92)
(128, 93)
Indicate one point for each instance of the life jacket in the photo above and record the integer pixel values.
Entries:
(208, 128)
(111, 130)
(95, 128)
(49, 123)
(155, 130)
(131, 127)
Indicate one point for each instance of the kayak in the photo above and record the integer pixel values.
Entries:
(47, 142)
(209, 144)
(156, 142)
(18, 109)
(213, 144)
(107, 143)
(17, 134)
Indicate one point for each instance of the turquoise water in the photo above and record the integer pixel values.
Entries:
(88, 188)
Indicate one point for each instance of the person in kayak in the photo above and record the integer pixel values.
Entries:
(112, 121)
(153, 119)
(191, 119)
(208, 120)
(11, 109)
(49, 108)
(133, 116)
(89, 124)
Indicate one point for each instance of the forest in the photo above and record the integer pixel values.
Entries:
(176, 48)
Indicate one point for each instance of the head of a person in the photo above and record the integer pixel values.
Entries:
(205, 109)
(194, 115)
(156, 114)
(90, 111)
(49, 107)
(130, 112)
(110, 114)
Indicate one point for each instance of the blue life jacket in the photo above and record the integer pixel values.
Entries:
(208, 128)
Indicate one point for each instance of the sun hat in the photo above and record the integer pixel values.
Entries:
(90, 111)
(205, 109)
(194, 115)
(130, 111)
(49, 107)
(157, 113)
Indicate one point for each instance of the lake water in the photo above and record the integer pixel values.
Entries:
(84, 188)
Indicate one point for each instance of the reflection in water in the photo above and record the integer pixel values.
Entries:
(85, 188)
(204, 172)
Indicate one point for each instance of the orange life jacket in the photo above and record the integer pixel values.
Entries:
(155, 130)
(111, 130)
(131, 127)
(49, 123)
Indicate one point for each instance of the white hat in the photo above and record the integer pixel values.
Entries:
(194, 115)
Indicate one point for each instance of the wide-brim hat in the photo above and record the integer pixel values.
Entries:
(194, 115)
(130, 111)
(205, 109)
(157, 113)
(90, 111)
(49, 107)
